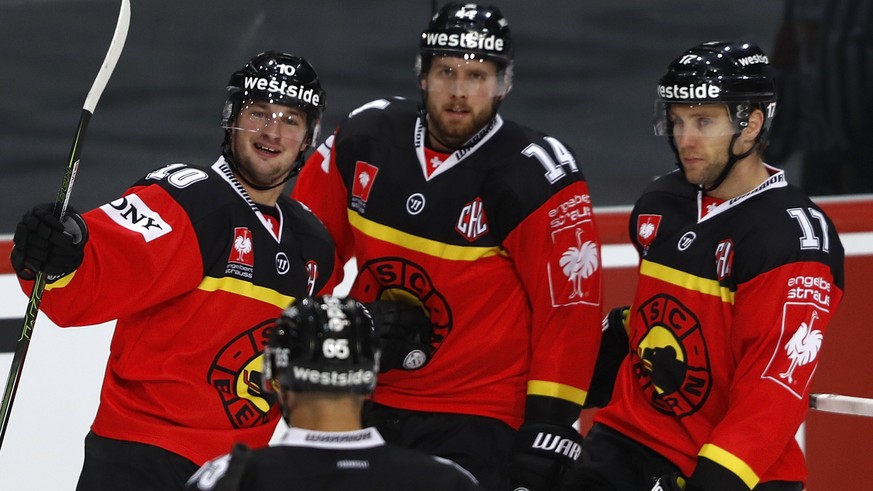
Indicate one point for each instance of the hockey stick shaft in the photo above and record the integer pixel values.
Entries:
(840, 404)
(60, 208)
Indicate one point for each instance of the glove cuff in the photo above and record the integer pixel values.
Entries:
(710, 476)
(555, 442)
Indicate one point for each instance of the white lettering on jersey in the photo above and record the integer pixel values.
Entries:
(133, 214)
(207, 476)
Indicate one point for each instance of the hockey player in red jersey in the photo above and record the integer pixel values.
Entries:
(740, 274)
(194, 263)
(484, 228)
(322, 359)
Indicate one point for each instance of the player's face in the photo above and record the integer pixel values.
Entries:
(702, 134)
(267, 139)
(460, 98)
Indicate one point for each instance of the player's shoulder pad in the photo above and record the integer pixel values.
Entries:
(525, 163)
(299, 212)
(381, 108)
(672, 182)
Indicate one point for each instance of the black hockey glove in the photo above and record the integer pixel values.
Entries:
(613, 350)
(405, 334)
(44, 243)
(543, 453)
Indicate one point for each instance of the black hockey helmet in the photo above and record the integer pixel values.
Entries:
(737, 74)
(470, 31)
(323, 344)
(277, 78)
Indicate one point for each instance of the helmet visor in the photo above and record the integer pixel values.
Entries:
(273, 120)
(690, 119)
(465, 76)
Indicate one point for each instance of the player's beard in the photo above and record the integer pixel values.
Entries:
(454, 132)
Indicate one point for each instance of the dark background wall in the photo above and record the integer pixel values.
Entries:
(586, 72)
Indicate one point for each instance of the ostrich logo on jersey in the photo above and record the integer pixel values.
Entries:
(793, 361)
(647, 229)
(576, 277)
(241, 251)
(671, 363)
(236, 374)
(365, 174)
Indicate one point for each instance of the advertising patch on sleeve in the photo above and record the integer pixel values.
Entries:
(132, 213)
(796, 355)
(574, 276)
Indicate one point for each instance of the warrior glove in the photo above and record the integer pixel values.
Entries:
(543, 453)
(42, 243)
(405, 333)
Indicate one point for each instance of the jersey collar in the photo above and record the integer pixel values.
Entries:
(455, 157)
(775, 181)
(365, 438)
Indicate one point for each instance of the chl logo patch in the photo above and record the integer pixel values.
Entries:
(236, 374)
(671, 362)
(472, 222)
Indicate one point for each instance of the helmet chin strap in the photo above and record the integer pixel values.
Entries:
(732, 160)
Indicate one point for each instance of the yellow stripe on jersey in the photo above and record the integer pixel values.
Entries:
(686, 281)
(245, 289)
(554, 389)
(730, 462)
(420, 244)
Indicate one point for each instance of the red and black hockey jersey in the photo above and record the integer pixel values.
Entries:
(332, 461)
(726, 327)
(194, 273)
(497, 241)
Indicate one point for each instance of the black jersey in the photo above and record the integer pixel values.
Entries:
(333, 461)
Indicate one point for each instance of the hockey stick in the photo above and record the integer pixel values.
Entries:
(840, 404)
(60, 209)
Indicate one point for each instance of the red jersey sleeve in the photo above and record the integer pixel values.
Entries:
(556, 251)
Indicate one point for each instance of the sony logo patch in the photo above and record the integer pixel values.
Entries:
(132, 213)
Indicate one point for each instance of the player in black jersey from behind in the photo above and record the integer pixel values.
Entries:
(322, 359)
(740, 274)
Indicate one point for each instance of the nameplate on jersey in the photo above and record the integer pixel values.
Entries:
(133, 214)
